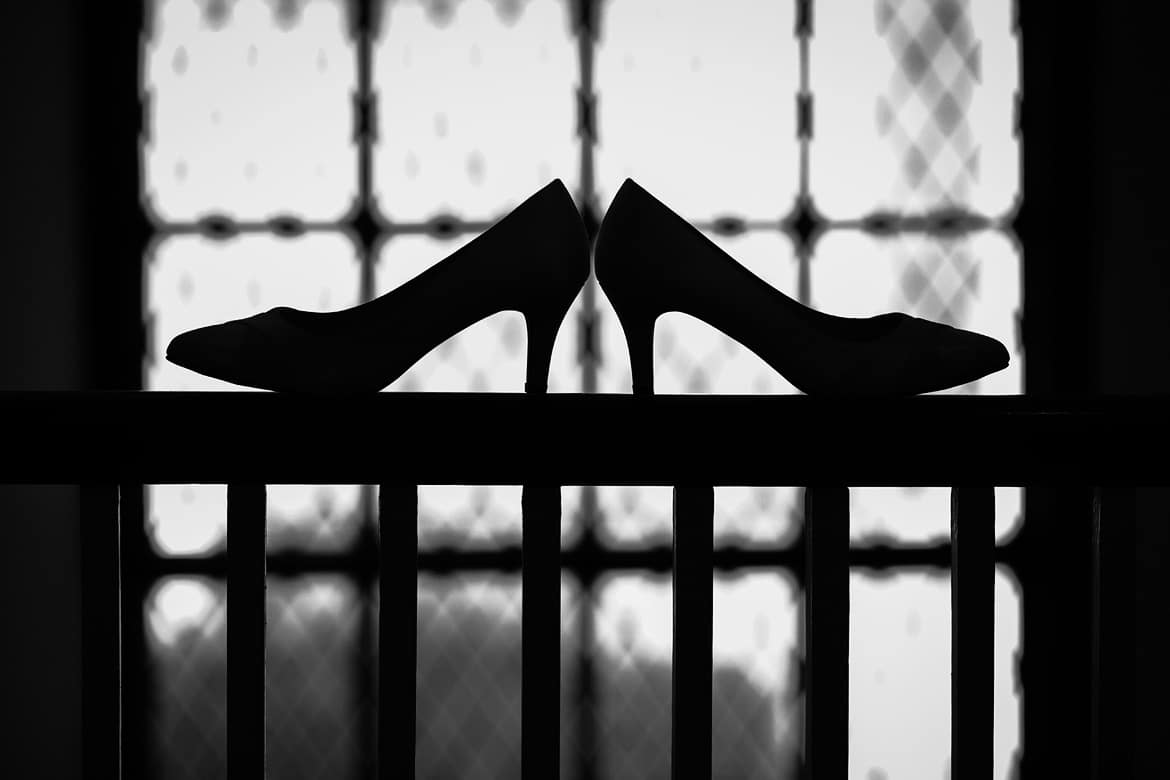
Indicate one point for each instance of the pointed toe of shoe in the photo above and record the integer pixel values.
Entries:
(218, 351)
(967, 356)
(981, 355)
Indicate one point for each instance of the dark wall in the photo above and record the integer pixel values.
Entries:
(1132, 255)
(41, 335)
(1115, 316)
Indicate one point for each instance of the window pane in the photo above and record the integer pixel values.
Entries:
(920, 515)
(756, 730)
(468, 676)
(756, 694)
(250, 110)
(899, 675)
(313, 688)
(186, 637)
(914, 106)
(476, 106)
(697, 101)
(632, 648)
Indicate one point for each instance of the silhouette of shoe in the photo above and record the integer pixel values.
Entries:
(535, 260)
(649, 261)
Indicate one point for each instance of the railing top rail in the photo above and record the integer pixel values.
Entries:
(504, 438)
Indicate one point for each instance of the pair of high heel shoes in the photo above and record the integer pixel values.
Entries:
(535, 260)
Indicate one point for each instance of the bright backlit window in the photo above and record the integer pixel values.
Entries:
(859, 155)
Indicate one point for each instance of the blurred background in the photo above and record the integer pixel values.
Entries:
(860, 155)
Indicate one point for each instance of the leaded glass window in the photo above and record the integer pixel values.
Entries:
(859, 155)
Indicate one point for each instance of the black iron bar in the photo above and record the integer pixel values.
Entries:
(246, 619)
(972, 632)
(231, 437)
(1114, 632)
(826, 633)
(397, 628)
(690, 738)
(540, 698)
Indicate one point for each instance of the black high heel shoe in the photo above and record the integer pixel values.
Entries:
(535, 260)
(649, 261)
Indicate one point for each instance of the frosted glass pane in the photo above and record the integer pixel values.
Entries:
(899, 676)
(476, 106)
(186, 642)
(920, 515)
(697, 102)
(756, 695)
(914, 106)
(314, 683)
(633, 636)
(971, 282)
(468, 676)
(756, 730)
(250, 110)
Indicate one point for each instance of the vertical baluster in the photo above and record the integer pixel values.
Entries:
(397, 629)
(1114, 631)
(540, 699)
(972, 632)
(694, 528)
(246, 614)
(826, 629)
(100, 674)
(1056, 664)
(136, 581)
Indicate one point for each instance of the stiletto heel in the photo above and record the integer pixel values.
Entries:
(639, 330)
(649, 259)
(535, 260)
(542, 330)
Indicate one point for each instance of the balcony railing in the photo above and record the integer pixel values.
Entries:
(1079, 460)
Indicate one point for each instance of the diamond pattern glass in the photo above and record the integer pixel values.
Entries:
(476, 108)
(756, 731)
(632, 652)
(468, 677)
(250, 110)
(697, 102)
(755, 695)
(920, 115)
(313, 689)
(186, 633)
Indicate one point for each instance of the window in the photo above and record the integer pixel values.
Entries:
(861, 156)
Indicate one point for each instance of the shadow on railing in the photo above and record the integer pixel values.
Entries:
(1079, 461)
